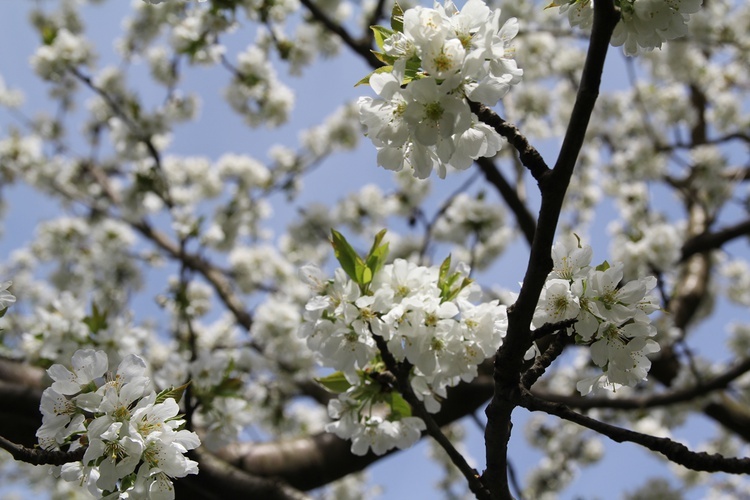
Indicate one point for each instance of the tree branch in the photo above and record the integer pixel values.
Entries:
(674, 451)
(553, 185)
(541, 363)
(689, 394)
(212, 274)
(135, 129)
(220, 480)
(707, 241)
(525, 220)
(38, 456)
(310, 462)
(332, 26)
(530, 157)
(402, 370)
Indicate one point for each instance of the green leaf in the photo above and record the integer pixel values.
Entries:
(335, 382)
(97, 320)
(128, 481)
(397, 18)
(229, 387)
(454, 293)
(350, 262)
(444, 268)
(446, 282)
(399, 406)
(381, 35)
(49, 33)
(366, 275)
(378, 254)
(384, 58)
(603, 266)
(175, 393)
(413, 70)
(382, 69)
(376, 242)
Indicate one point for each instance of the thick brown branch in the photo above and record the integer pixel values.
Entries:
(219, 480)
(21, 388)
(311, 462)
(714, 240)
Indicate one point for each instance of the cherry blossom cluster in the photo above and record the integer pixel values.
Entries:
(644, 24)
(610, 317)
(134, 436)
(436, 60)
(423, 317)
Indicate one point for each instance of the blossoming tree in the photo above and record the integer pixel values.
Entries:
(163, 335)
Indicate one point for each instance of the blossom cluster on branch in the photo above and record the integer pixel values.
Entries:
(435, 59)
(394, 336)
(426, 318)
(644, 24)
(134, 438)
(429, 321)
(611, 317)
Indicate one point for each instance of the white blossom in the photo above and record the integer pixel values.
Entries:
(124, 427)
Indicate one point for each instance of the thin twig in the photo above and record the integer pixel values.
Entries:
(363, 49)
(530, 157)
(402, 370)
(525, 220)
(430, 224)
(38, 456)
(674, 451)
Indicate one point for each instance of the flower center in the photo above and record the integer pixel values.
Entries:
(433, 111)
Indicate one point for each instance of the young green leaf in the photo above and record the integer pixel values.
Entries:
(399, 406)
(376, 242)
(384, 58)
(335, 382)
(378, 254)
(351, 263)
(366, 275)
(382, 69)
(175, 393)
(97, 320)
(444, 268)
(128, 482)
(381, 35)
(397, 18)
(376, 259)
